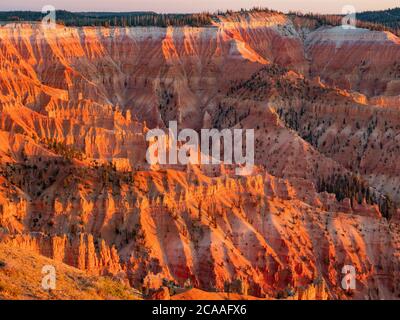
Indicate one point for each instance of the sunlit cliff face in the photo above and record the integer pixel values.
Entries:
(76, 104)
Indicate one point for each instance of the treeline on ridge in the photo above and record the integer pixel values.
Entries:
(376, 21)
(355, 188)
(386, 20)
(112, 19)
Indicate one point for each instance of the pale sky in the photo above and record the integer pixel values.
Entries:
(162, 6)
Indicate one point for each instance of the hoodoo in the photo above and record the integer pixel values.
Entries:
(317, 112)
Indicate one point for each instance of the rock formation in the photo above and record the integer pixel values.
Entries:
(76, 104)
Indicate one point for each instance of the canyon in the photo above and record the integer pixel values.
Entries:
(77, 102)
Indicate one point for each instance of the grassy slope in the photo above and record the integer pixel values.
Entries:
(20, 278)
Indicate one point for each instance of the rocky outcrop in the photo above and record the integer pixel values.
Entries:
(80, 252)
(76, 104)
(316, 291)
(356, 59)
(257, 235)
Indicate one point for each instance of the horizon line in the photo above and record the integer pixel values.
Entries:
(199, 12)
